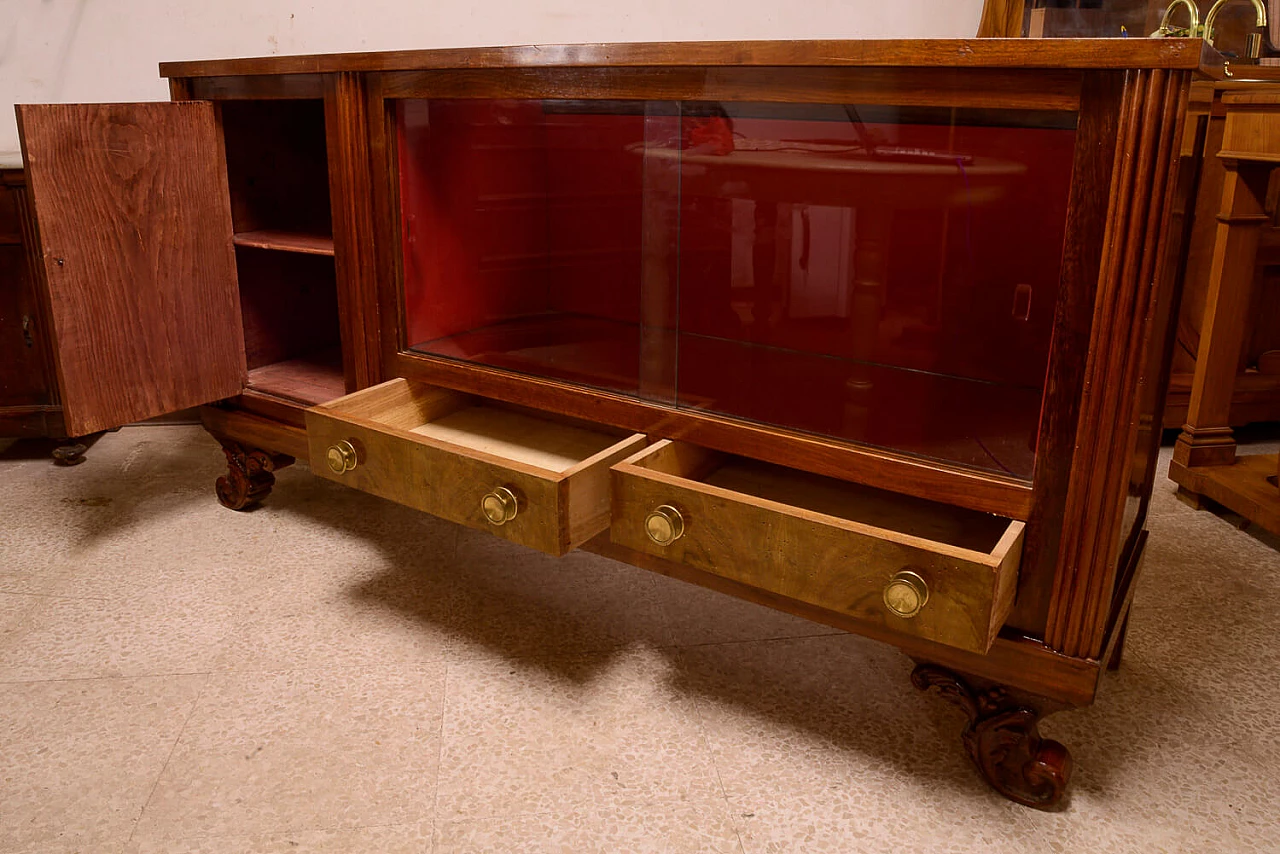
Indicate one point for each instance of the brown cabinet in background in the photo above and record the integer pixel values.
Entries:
(29, 402)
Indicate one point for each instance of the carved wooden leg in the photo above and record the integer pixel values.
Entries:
(250, 474)
(1003, 739)
(70, 454)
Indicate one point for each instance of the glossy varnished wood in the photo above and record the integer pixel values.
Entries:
(430, 448)
(142, 295)
(1141, 186)
(934, 53)
(1092, 168)
(1012, 659)
(346, 124)
(824, 542)
(1036, 89)
(990, 493)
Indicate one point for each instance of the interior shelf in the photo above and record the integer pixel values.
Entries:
(286, 241)
(310, 379)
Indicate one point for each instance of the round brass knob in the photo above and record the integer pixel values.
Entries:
(906, 593)
(664, 525)
(341, 457)
(500, 506)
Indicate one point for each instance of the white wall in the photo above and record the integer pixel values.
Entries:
(108, 50)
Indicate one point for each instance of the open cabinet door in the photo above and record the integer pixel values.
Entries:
(137, 266)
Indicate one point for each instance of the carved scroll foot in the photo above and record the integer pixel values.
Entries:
(1003, 740)
(250, 475)
(70, 454)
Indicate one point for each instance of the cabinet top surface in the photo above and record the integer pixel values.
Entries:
(936, 53)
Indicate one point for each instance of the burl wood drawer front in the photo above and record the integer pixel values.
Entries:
(529, 477)
(917, 567)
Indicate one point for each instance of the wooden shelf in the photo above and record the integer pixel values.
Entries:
(310, 379)
(286, 241)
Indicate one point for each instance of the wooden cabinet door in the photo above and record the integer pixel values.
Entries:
(136, 259)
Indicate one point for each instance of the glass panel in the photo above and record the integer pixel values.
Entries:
(876, 274)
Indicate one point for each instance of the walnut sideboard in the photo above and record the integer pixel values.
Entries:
(875, 333)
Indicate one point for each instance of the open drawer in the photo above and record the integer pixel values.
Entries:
(527, 476)
(914, 566)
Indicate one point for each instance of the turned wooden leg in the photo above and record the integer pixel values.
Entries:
(1003, 739)
(1206, 438)
(250, 474)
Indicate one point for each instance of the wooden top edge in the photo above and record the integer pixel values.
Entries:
(1185, 54)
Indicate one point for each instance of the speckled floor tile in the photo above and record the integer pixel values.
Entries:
(589, 706)
(299, 751)
(87, 638)
(555, 734)
(670, 828)
(15, 610)
(513, 601)
(80, 757)
(356, 617)
(412, 838)
(696, 615)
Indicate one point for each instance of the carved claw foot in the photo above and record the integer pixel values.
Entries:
(250, 475)
(71, 454)
(1003, 740)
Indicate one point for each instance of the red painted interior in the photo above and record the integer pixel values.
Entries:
(540, 237)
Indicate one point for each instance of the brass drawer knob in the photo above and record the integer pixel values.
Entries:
(906, 593)
(664, 525)
(500, 506)
(341, 457)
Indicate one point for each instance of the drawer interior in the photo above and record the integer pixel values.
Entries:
(540, 441)
(534, 440)
(865, 506)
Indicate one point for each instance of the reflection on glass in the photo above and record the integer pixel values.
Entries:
(879, 275)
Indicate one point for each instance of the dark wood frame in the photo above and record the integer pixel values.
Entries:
(1086, 502)
(1075, 503)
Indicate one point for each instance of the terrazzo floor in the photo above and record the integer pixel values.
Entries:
(335, 673)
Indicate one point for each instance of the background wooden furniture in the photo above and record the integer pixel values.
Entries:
(1205, 464)
(28, 393)
(264, 164)
(1256, 392)
(1114, 18)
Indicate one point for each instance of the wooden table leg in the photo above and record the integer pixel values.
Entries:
(1206, 438)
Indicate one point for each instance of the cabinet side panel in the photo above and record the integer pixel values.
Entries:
(1073, 318)
(134, 226)
(1152, 114)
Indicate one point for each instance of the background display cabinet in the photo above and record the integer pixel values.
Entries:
(876, 333)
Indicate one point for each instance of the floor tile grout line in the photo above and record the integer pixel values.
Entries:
(435, 793)
(169, 758)
(107, 678)
(715, 766)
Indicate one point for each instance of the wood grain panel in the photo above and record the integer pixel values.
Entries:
(795, 536)
(976, 490)
(944, 53)
(355, 237)
(1151, 119)
(1073, 319)
(1013, 660)
(407, 453)
(134, 223)
(994, 88)
(1002, 19)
